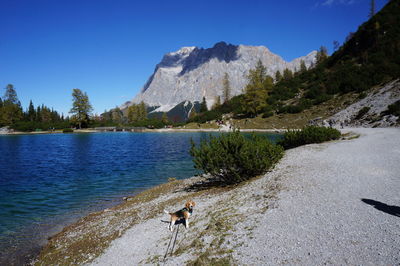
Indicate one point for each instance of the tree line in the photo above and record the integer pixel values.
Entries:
(41, 117)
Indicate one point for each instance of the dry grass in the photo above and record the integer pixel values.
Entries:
(285, 121)
(86, 239)
(209, 125)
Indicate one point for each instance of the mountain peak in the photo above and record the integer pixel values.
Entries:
(183, 51)
(192, 73)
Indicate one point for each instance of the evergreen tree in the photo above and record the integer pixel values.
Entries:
(45, 114)
(31, 112)
(336, 45)
(133, 113)
(303, 67)
(10, 96)
(38, 117)
(217, 102)
(349, 36)
(278, 76)
(142, 111)
(227, 87)
(116, 115)
(81, 107)
(12, 110)
(372, 9)
(287, 74)
(322, 54)
(1, 113)
(164, 118)
(192, 114)
(203, 106)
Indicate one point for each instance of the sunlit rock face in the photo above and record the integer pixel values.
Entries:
(192, 73)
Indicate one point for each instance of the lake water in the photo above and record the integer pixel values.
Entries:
(48, 181)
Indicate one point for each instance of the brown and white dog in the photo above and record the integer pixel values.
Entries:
(181, 214)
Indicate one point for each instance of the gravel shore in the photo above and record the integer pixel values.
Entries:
(332, 203)
(340, 205)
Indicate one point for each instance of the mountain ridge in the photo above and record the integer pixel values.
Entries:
(191, 73)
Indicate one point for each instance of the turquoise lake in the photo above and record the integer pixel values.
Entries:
(49, 181)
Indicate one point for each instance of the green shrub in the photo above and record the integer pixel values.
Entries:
(233, 158)
(362, 95)
(309, 134)
(393, 109)
(291, 109)
(322, 98)
(68, 130)
(362, 112)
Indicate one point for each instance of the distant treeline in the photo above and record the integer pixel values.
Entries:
(45, 118)
(41, 117)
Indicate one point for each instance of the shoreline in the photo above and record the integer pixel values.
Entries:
(160, 196)
(160, 130)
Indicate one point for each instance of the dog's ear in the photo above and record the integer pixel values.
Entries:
(193, 203)
(187, 205)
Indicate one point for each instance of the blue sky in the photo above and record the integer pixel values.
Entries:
(108, 48)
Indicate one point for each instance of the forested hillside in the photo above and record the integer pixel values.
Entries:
(368, 57)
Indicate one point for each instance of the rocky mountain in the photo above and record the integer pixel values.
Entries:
(373, 110)
(192, 73)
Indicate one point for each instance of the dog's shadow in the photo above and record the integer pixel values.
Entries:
(389, 209)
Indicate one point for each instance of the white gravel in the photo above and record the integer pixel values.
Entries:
(317, 218)
(321, 218)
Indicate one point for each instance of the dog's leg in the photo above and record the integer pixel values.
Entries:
(171, 225)
(187, 223)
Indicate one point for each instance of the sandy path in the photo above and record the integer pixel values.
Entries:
(318, 218)
(321, 218)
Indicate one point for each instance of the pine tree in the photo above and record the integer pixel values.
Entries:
(278, 76)
(116, 115)
(287, 74)
(38, 117)
(227, 87)
(10, 96)
(336, 45)
(217, 102)
(164, 118)
(192, 114)
(12, 110)
(31, 112)
(303, 67)
(133, 113)
(203, 106)
(81, 107)
(322, 54)
(142, 111)
(372, 9)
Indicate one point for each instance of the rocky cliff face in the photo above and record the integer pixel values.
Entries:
(192, 73)
(375, 105)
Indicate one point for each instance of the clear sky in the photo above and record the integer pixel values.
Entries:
(109, 48)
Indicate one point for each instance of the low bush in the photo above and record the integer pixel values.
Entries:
(362, 112)
(291, 109)
(393, 109)
(68, 130)
(309, 134)
(233, 158)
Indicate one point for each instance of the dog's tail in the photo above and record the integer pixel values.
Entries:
(167, 212)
